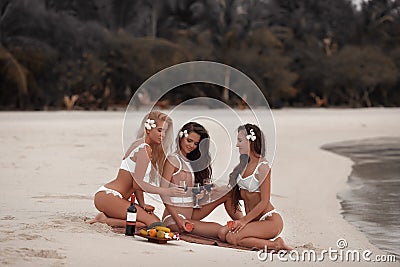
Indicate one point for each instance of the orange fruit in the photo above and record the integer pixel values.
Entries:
(189, 227)
(152, 232)
(171, 235)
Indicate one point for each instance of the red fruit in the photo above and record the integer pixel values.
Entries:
(189, 227)
(230, 224)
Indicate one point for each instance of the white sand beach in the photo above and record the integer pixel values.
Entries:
(52, 163)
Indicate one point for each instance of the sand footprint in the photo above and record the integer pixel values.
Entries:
(307, 247)
(39, 253)
(7, 218)
(64, 197)
(12, 255)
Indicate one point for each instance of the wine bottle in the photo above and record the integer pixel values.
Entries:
(131, 218)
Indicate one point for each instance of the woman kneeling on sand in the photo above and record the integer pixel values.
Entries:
(252, 183)
(155, 135)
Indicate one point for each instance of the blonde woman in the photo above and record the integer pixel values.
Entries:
(154, 137)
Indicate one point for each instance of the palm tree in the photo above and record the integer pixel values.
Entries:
(379, 22)
(14, 79)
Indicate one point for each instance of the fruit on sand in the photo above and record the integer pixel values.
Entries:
(162, 228)
(152, 232)
(154, 224)
(143, 232)
(160, 234)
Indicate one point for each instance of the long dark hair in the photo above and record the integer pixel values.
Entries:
(258, 147)
(200, 158)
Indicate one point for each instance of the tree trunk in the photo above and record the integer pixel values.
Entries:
(225, 94)
(15, 74)
(366, 97)
(154, 22)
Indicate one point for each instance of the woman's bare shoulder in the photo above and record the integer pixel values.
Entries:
(263, 168)
(138, 146)
(173, 159)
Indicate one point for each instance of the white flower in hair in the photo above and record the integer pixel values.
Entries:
(150, 124)
(251, 136)
(184, 133)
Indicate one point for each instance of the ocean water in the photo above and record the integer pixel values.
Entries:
(372, 203)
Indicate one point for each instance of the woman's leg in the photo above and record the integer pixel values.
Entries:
(258, 234)
(205, 210)
(264, 244)
(114, 209)
(205, 228)
(199, 228)
(169, 221)
(222, 232)
(102, 218)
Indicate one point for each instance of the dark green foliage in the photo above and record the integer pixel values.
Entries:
(300, 53)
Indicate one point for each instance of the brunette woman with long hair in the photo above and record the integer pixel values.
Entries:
(251, 181)
(188, 165)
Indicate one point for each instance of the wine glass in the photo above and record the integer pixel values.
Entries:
(182, 184)
(196, 190)
(208, 185)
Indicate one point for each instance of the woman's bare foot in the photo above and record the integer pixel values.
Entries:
(100, 218)
(222, 233)
(279, 244)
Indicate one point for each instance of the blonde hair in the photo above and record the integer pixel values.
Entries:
(159, 152)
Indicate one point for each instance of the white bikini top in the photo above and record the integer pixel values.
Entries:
(250, 183)
(181, 162)
(129, 165)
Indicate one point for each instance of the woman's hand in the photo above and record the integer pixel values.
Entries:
(175, 192)
(201, 194)
(181, 224)
(149, 208)
(238, 225)
(184, 225)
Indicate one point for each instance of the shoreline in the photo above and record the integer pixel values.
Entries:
(45, 172)
(374, 176)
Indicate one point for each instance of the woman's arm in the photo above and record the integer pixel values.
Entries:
(142, 161)
(169, 169)
(129, 150)
(140, 197)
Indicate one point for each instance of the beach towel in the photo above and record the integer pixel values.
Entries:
(187, 237)
(210, 241)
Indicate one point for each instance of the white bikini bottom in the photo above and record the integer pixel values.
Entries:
(182, 200)
(268, 214)
(109, 191)
(169, 220)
